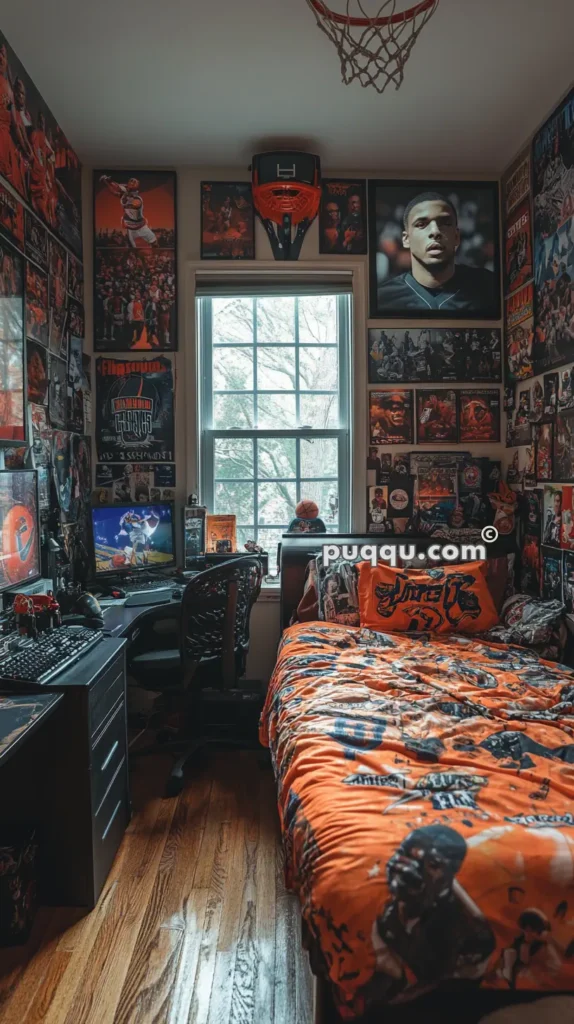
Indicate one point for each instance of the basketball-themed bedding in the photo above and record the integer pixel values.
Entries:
(426, 788)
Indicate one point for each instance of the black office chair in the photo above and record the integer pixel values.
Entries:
(213, 645)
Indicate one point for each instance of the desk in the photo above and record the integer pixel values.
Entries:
(20, 716)
(125, 621)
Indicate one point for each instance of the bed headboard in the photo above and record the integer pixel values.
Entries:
(298, 548)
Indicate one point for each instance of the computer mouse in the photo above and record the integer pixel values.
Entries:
(177, 594)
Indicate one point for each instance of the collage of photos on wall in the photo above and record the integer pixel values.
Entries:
(45, 391)
(538, 197)
(434, 256)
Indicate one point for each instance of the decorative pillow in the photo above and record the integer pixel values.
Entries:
(308, 608)
(445, 599)
(531, 622)
(337, 589)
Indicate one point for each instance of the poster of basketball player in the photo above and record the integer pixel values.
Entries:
(37, 369)
(58, 392)
(553, 189)
(57, 331)
(37, 242)
(544, 437)
(12, 418)
(437, 420)
(518, 248)
(479, 415)
(75, 279)
(135, 266)
(343, 216)
(391, 417)
(11, 218)
(57, 258)
(434, 249)
(516, 184)
(35, 155)
(36, 304)
(519, 334)
(75, 323)
(134, 410)
(563, 469)
(227, 221)
(413, 355)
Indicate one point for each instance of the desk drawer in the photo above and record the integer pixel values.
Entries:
(109, 826)
(105, 693)
(109, 751)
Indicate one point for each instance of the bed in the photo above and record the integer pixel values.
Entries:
(425, 791)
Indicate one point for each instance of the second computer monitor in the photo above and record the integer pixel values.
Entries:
(133, 537)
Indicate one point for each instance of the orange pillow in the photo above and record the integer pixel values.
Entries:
(445, 599)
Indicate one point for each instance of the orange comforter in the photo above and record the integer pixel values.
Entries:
(426, 789)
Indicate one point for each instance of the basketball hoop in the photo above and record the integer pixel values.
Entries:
(373, 49)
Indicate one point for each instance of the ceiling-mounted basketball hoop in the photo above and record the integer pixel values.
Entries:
(373, 48)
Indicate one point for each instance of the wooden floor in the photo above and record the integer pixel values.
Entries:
(194, 925)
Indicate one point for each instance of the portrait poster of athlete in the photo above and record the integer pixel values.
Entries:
(391, 417)
(479, 415)
(518, 248)
(36, 304)
(35, 155)
(437, 420)
(11, 218)
(553, 189)
(412, 355)
(37, 242)
(433, 250)
(519, 334)
(227, 221)
(134, 410)
(135, 266)
(38, 375)
(343, 216)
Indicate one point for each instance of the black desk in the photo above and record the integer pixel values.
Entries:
(125, 621)
(20, 716)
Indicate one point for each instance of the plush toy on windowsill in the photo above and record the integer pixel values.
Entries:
(307, 519)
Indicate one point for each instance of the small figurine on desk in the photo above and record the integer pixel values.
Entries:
(253, 548)
(307, 519)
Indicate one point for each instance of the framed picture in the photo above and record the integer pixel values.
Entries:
(568, 580)
(551, 574)
(37, 323)
(529, 573)
(550, 395)
(553, 199)
(11, 218)
(479, 415)
(38, 376)
(521, 420)
(378, 510)
(536, 402)
(57, 257)
(516, 183)
(37, 242)
(227, 221)
(552, 521)
(75, 279)
(434, 249)
(135, 261)
(519, 332)
(391, 417)
(343, 216)
(58, 392)
(544, 438)
(567, 536)
(12, 355)
(518, 248)
(57, 330)
(125, 434)
(437, 420)
(566, 388)
(563, 468)
(434, 355)
(75, 323)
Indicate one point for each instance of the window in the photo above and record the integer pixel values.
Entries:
(275, 410)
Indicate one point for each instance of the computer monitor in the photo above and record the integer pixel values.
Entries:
(19, 530)
(130, 538)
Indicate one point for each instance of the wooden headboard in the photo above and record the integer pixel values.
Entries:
(297, 549)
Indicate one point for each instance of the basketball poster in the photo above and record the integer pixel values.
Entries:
(38, 376)
(227, 221)
(135, 265)
(343, 217)
(516, 183)
(36, 242)
(437, 420)
(134, 410)
(11, 218)
(553, 189)
(426, 354)
(479, 415)
(58, 392)
(36, 158)
(75, 279)
(12, 405)
(391, 417)
(36, 304)
(518, 248)
(519, 334)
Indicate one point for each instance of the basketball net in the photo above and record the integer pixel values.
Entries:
(373, 48)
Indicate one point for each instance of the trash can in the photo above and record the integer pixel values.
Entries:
(18, 883)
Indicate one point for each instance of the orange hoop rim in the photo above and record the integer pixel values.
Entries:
(391, 19)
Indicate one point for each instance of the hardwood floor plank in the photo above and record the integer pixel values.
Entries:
(265, 918)
(46, 993)
(287, 945)
(184, 980)
(159, 961)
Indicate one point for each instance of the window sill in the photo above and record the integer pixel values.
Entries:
(270, 590)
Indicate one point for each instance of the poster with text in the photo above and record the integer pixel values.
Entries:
(519, 334)
(518, 248)
(516, 183)
(134, 410)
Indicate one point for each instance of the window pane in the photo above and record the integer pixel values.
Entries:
(319, 411)
(276, 457)
(235, 498)
(233, 412)
(320, 457)
(269, 539)
(276, 320)
(276, 503)
(326, 494)
(318, 368)
(277, 412)
(232, 321)
(232, 369)
(244, 533)
(318, 319)
(233, 458)
(276, 369)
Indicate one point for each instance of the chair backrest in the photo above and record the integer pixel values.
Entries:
(215, 613)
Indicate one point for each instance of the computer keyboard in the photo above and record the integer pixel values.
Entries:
(137, 586)
(40, 660)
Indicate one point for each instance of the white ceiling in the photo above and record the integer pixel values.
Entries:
(209, 82)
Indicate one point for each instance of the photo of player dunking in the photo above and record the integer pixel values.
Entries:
(133, 221)
(227, 222)
(434, 249)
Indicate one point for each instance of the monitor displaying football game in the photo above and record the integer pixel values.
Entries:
(19, 531)
(133, 537)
